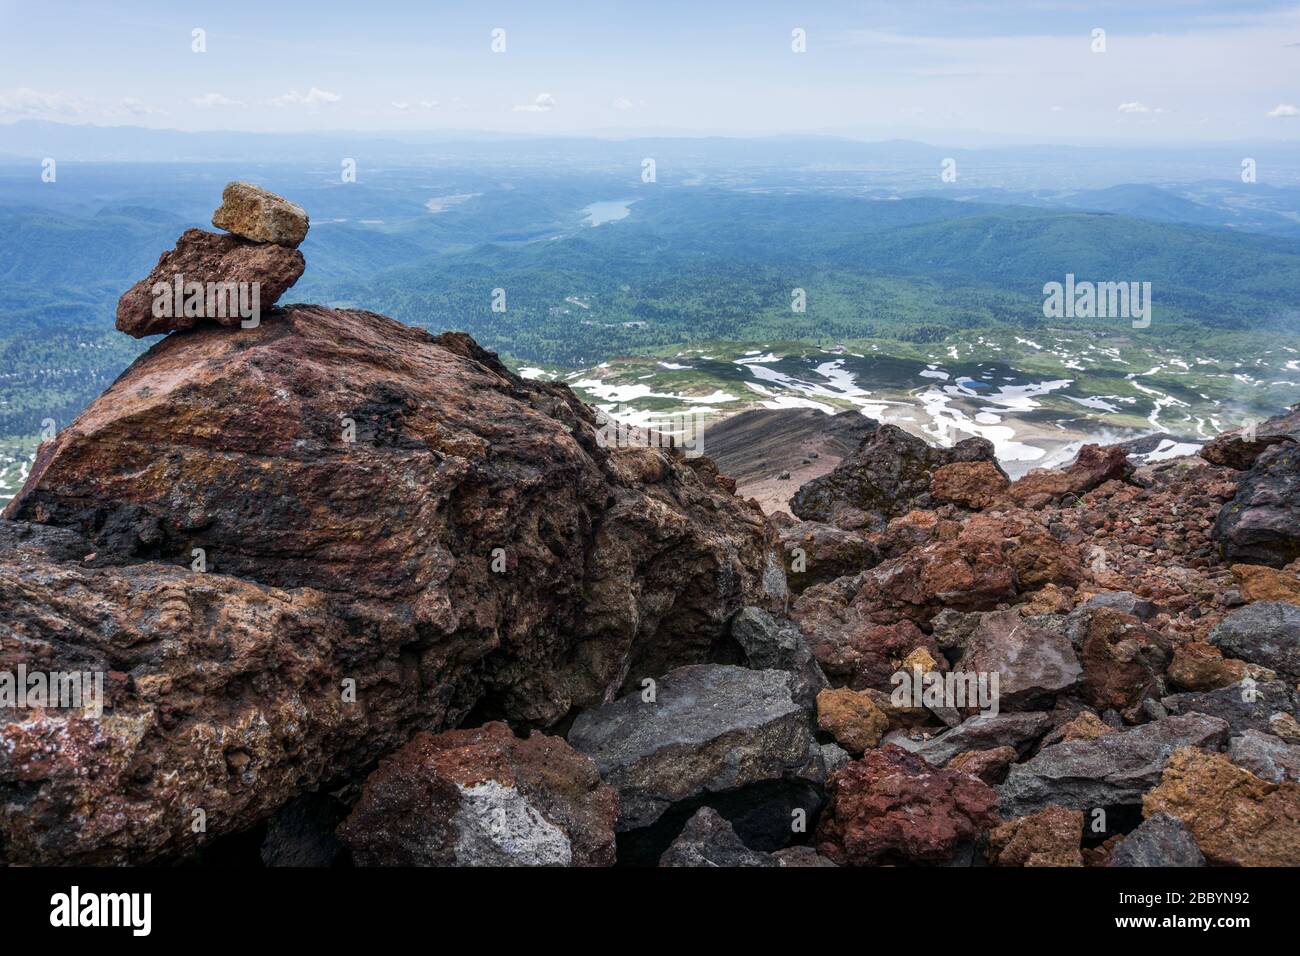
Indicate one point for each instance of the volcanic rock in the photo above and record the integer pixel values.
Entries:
(1091, 467)
(1257, 582)
(483, 797)
(210, 261)
(1247, 705)
(1261, 524)
(708, 728)
(1236, 818)
(1265, 633)
(709, 840)
(991, 766)
(1239, 449)
(970, 484)
(1266, 756)
(302, 833)
(816, 553)
(1160, 840)
(1200, 666)
(892, 806)
(769, 644)
(851, 718)
(1050, 837)
(887, 476)
(1031, 656)
(254, 213)
(1112, 769)
(985, 733)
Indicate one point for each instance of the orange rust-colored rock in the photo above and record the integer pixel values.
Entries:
(1050, 837)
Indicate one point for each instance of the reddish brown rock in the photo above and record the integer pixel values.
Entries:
(816, 553)
(1201, 666)
(970, 484)
(1237, 818)
(987, 765)
(1050, 837)
(1086, 726)
(1122, 661)
(1093, 466)
(207, 258)
(893, 807)
(328, 560)
(484, 797)
(851, 649)
(962, 575)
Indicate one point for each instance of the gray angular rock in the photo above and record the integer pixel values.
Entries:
(710, 728)
(770, 644)
(985, 733)
(1112, 769)
(1261, 524)
(1032, 656)
(1265, 755)
(800, 856)
(709, 840)
(1245, 705)
(1265, 633)
(1160, 840)
(1126, 602)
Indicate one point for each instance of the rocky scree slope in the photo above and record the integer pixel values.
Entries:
(360, 594)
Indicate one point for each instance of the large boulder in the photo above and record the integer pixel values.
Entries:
(702, 729)
(893, 807)
(1113, 769)
(1246, 705)
(1236, 818)
(1239, 449)
(1160, 840)
(886, 476)
(311, 538)
(483, 797)
(1261, 524)
(1266, 633)
(194, 282)
(1032, 656)
(1093, 466)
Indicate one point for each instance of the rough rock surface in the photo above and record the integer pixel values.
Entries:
(892, 806)
(851, 717)
(1261, 524)
(991, 766)
(252, 212)
(483, 797)
(986, 732)
(1265, 755)
(709, 840)
(970, 484)
(1112, 769)
(1160, 840)
(1258, 582)
(1248, 705)
(816, 553)
(301, 834)
(1090, 468)
(772, 644)
(1050, 837)
(1031, 658)
(1236, 818)
(887, 476)
(709, 728)
(206, 257)
(1240, 448)
(1265, 633)
(330, 560)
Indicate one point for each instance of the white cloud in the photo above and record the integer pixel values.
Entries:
(214, 99)
(1133, 107)
(313, 97)
(402, 106)
(622, 103)
(29, 102)
(1283, 110)
(133, 107)
(544, 103)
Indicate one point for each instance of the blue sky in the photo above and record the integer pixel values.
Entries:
(1171, 71)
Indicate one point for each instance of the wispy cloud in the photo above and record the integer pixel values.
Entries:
(544, 103)
(1283, 110)
(313, 97)
(214, 99)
